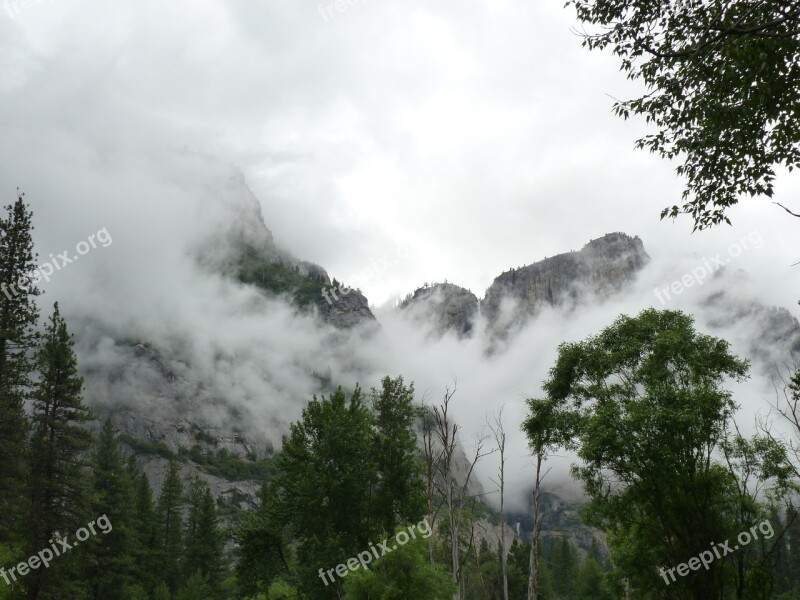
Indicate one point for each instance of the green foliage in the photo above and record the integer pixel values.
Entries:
(721, 85)
(226, 465)
(18, 317)
(58, 493)
(280, 590)
(256, 269)
(400, 492)
(170, 523)
(112, 562)
(204, 546)
(653, 416)
(404, 573)
(326, 482)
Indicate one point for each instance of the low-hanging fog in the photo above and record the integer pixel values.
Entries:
(435, 130)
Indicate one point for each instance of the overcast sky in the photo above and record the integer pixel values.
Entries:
(469, 136)
(478, 129)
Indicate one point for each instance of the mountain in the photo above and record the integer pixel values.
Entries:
(445, 306)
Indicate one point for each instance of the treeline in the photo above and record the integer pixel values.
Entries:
(78, 521)
(372, 495)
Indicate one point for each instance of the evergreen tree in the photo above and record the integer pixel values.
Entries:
(112, 561)
(400, 493)
(57, 491)
(144, 531)
(591, 584)
(563, 562)
(18, 318)
(263, 555)
(170, 523)
(203, 538)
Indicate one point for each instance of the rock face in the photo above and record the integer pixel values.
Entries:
(446, 306)
(243, 248)
(604, 266)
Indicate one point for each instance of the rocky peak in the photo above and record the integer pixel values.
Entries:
(446, 306)
(601, 268)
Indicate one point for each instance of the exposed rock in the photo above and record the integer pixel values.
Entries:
(603, 267)
(446, 306)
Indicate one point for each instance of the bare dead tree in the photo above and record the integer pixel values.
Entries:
(432, 454)
(499, 435)
(454, 496)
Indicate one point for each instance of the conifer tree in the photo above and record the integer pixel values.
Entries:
(18, 318)
(145, 531)
(59, 446)
(203, 538)
(170, 547)
(112, 562)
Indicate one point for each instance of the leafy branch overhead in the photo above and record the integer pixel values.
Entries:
(723, 89)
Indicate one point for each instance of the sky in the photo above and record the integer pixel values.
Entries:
(426, 141)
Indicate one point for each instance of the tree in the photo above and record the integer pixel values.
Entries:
(401, 575)
(654, 413)
(170, 523)
(500, 439)
(18, 318)
(563, 560)
(145, 538)
(399, 494)
(722, 89)
(58, 494)
(326, 485)
(549, 426)
(112, 561)
(263, 555)
(455, 496)
(203, 539)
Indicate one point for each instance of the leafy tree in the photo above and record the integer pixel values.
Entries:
(170, 522)
(280, 590)
(58, 495)
(112, 562)
(654, 414)
(399, 494)
(404, 573)
(722, 89)
(548, 426)
(326, 485)
(18, 317)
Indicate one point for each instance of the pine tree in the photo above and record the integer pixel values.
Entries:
(58, 494)
(203, 539)
(18, 318)
(170, 547)
(112, 562)
(564, 561)
(145, 531)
